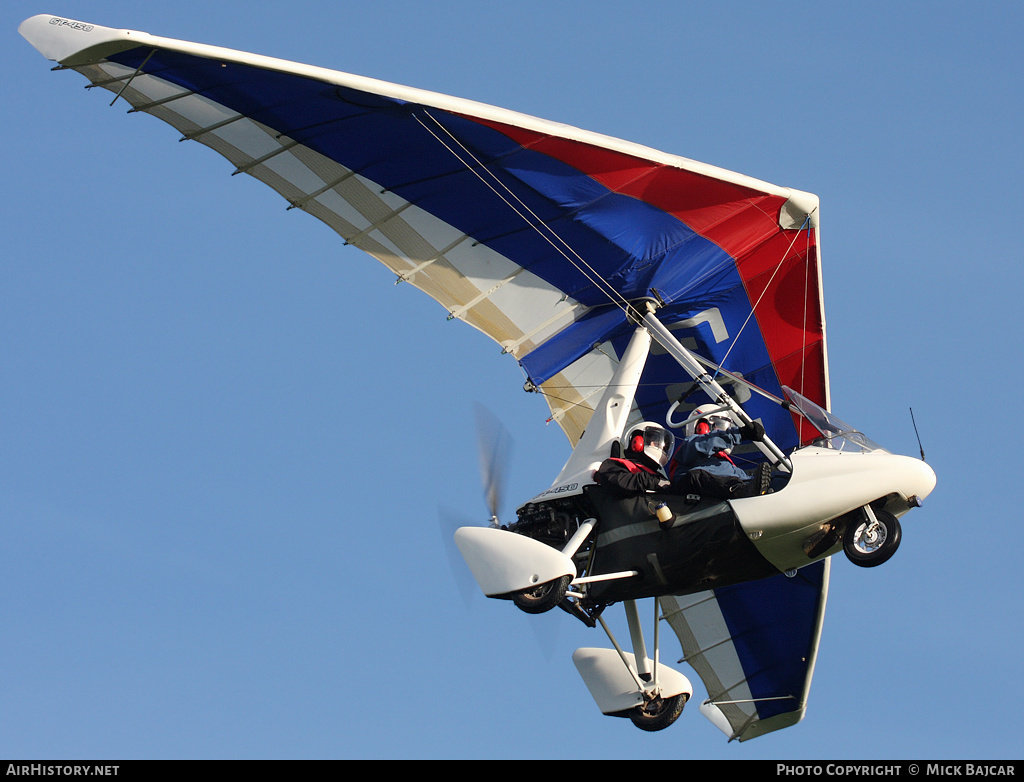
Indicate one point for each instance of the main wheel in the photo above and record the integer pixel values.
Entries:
(659, 713)
(543, 597)
(868, 544)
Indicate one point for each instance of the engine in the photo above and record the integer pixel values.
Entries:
(552, 522)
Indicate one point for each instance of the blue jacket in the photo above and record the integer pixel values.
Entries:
(699, 452)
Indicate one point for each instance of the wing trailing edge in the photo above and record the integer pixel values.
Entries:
(754, 646)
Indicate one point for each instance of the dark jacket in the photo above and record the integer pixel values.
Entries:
(628, 476)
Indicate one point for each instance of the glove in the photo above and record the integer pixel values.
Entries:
(753, 431)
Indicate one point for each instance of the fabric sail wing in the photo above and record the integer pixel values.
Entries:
(754, 646)
(535, 233)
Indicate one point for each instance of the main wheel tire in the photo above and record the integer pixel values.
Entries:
(544, 597)
(659, 713)
(869, 545)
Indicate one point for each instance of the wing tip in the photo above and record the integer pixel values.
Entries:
(70, 42)
(801, 208)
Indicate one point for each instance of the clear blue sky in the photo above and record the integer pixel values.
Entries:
(225, 438)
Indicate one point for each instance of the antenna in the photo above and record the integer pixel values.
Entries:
(915, 432)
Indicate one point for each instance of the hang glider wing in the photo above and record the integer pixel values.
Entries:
(531, 231)
(754, 646)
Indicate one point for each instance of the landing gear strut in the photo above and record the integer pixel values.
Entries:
(652, 695)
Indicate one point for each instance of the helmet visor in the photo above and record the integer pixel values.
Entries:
(721, 423)
(657, 438)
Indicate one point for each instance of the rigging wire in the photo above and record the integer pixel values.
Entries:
(803, 330)
(771, 279)
(551, 237)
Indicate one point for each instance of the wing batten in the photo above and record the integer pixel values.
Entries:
(364, 207)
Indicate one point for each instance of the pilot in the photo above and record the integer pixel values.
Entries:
(646, 449)
(704, 464)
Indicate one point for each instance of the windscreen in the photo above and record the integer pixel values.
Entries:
(834, 433)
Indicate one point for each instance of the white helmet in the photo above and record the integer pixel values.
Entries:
(713, 415)
(653, 441)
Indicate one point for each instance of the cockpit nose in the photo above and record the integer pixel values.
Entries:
(918, 478)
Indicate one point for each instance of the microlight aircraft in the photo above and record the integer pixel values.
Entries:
(630, 285)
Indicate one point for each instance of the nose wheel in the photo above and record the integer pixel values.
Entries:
(873, 539)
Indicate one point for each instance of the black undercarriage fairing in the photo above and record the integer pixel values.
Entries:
(703, 547)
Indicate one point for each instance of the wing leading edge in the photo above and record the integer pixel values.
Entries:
(534, 232)
(754, 646)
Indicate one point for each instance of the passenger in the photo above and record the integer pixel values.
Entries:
(704, 462)
(646, 449)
